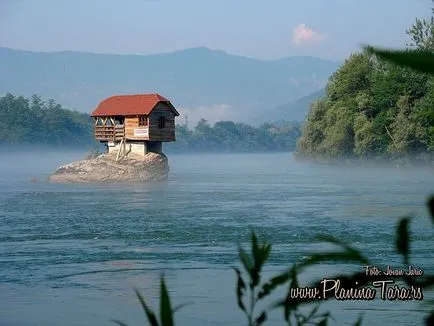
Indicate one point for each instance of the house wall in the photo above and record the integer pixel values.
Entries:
(155, 147)
(162, 134)
(152, 131)
(107, 132)
(139, 148)
(113, 147)
(131, 124)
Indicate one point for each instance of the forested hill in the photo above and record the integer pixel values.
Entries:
(33, 121)
(374, 110)
(228, 136)
(193, 78)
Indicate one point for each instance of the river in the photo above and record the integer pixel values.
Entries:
(72, 254)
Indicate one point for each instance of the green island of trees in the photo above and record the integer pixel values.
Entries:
(374, 109)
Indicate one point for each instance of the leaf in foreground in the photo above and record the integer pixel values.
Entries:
(118, 322)
(166, 314)
(431, 207)
(420, 60)
(241, 287)
(273, 283)
(403, 238)
(149, 313)
(359, 321)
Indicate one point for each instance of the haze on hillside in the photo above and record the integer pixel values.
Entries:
(242, 62)
(200, 82)
(94, 206)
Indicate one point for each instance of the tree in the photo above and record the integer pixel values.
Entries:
(352, 77)
(313, 131)
(364, 137)
(422, 33)
(376, 108)
(34, 122)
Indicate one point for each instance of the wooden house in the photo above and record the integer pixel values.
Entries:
(135, 123)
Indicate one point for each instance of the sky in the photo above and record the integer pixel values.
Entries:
(329, 29)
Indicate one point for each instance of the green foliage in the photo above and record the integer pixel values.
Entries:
(166, 310)
(363, 98)
(422, 33)
(253, 265)
(313, 132)
(24, 121)
(352, 77)
(379, 104)
(254, 262)
(431, 207)
(420, 60)
(357, 107)
(228, 136)
(364, 137)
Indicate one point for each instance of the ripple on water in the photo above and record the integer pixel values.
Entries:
(101, 241)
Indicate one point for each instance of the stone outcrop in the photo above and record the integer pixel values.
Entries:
(105, 169)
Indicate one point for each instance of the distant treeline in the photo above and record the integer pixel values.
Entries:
(228, 136)
(374, 109)
(33, 121)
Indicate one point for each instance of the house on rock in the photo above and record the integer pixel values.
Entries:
(135, 123)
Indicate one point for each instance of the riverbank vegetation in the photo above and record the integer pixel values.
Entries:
(35, 122)
(375, 109)
(228, 136)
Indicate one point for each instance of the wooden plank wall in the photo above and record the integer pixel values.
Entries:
(155, 133)
(132, 123)
(163, 134)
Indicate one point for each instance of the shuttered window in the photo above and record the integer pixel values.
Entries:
(161, 122)
(143, 121)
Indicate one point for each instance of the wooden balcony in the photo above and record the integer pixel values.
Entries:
(109, 133)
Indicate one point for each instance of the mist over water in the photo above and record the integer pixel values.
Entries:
(72, 254)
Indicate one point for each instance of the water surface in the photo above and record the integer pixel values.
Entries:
(72, 254)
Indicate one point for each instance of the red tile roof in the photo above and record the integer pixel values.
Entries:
(140, 104)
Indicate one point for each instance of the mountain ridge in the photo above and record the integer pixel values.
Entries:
(191, 78)
(293, 111)
(196, 48)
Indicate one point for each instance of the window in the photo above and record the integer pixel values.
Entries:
(161, 122)
(109, 122)
(143, 121)
(99, 122)
(119, 121)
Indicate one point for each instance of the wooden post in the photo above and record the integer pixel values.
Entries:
(120, 148)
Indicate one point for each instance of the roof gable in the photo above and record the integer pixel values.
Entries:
(139, 104)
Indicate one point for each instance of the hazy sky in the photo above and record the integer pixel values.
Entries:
(255, 28)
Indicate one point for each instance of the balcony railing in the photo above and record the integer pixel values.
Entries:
(109, 133)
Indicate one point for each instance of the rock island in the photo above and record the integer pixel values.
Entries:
(132, 128)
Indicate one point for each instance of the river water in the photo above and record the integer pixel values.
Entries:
(72, 254)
